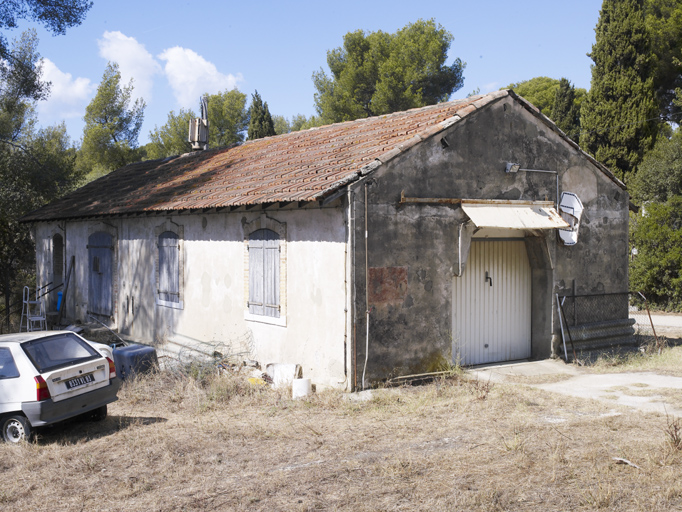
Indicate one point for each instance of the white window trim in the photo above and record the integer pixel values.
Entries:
(169, 225)
(250, 317)
(265, 222)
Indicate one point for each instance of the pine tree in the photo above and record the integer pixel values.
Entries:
(619, 117)
(378, 73)
(112, 124)
(261, 124)
(565, 111)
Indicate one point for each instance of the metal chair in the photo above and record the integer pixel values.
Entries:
(32, 313)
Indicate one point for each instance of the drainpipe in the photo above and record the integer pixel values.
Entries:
(459, 247)
(364, 369)
(346, 267)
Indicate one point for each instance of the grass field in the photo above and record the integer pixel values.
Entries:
(173, 442)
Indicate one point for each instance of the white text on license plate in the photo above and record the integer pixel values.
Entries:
(80, 381)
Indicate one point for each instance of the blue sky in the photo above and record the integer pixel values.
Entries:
(175, 50)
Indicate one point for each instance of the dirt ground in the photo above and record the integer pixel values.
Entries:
(177, 443)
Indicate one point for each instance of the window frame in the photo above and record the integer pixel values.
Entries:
(279, 228)
(169, 227)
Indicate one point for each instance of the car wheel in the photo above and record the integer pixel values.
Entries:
(98, 414)
(16, 429)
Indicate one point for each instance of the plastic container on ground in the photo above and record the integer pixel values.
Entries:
(300, 388)
(132, 359)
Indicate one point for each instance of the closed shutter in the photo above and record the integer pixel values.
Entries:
(100, 286)
(169, 267)
(264, 262)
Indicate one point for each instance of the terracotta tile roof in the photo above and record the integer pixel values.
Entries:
(298, 166)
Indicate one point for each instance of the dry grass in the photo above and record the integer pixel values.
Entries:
(668, 362)
(175, 443)
(669, 396)
(548, 378)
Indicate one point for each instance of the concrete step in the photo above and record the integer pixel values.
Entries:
(601, 330)
(600, 338)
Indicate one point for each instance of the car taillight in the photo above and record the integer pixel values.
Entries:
(42, 393)
(112, 368)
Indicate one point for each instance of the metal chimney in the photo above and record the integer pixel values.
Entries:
(198, 128)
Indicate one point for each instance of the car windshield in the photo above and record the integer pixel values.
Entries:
(58, 351)
(8, 369)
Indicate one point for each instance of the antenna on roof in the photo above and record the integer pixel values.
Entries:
(198, 128)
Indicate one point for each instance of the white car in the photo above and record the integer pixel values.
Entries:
(51, 376)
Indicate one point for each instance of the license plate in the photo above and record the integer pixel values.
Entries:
(80, 381)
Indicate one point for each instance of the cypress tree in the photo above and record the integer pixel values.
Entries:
(619, 117)
(565, 112)
(261, 124)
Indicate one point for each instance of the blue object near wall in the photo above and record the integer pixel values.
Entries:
(132, 359)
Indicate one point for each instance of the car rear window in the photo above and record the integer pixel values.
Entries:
(8, 369)
(58, 351)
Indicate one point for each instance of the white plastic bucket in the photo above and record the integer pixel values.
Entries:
(300, 388)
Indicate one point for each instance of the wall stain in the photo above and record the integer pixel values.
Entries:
(387, 285)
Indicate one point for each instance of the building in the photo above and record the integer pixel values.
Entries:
(362, 250)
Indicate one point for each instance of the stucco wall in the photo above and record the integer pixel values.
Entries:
(413, 248)
(213, 313)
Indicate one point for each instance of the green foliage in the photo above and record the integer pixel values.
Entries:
(297, 123)
(112, 126)
(540, 91)
(379, 73)
(228, 118)
(663, 20)
(656, 270)
(36, 167)
(659, 176)
(566, 109)
(172, 138)
(39, 168)
(20, 76)
(281, 124)
(619, 117)
(54, 16)
(555, 98)
(260, 124)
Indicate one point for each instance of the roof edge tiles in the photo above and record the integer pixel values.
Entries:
(302, 166)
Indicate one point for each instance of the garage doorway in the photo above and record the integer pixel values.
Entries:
(491, 304)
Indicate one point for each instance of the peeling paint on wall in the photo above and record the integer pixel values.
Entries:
(387, 286)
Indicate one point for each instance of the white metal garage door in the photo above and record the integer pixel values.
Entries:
(491, 305)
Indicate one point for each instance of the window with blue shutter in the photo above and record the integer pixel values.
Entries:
(169, 267)
(264, 264)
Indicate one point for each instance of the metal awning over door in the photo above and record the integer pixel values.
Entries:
(496, 213)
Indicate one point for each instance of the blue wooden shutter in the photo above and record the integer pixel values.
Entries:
(169, 267)
(264, 262)
(100, 289)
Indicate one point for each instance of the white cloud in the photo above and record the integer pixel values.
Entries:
(190, 75)
(68, 95)
(493, 86)
(134, 61)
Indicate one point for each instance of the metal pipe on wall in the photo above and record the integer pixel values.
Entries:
(548, 172)
(364, 369)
